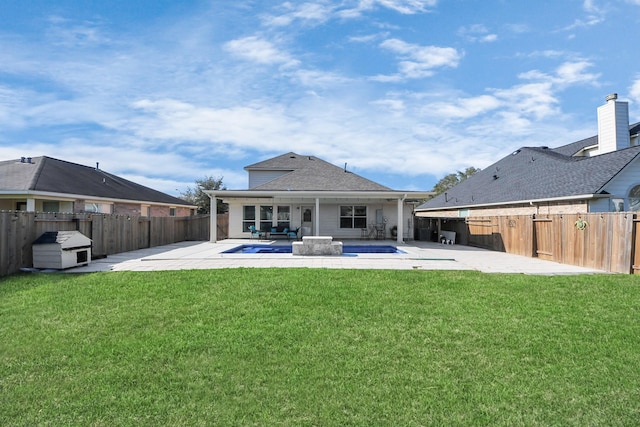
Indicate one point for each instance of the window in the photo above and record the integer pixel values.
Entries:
(172, 211)
(248, 217)
(353, 217)
(91, 207)
(50, 206)
(97, 207)
(634, 198)
(284, 216)
(266, 217)
(306, 215)
(617, 205)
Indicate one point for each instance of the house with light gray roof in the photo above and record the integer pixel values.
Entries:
(596, 174)
(312, 197)
(45, 184)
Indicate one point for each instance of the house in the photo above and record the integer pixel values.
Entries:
(597, 174)
(317, 198)
(45, 184)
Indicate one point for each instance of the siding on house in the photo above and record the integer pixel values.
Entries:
(258, 178)
(541, 208)
(619, 187)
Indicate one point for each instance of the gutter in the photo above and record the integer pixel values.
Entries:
(318, 194)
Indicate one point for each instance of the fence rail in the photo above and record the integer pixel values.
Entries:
(110, 234)
(603, 241)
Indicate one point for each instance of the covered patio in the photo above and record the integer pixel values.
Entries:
(340, 214)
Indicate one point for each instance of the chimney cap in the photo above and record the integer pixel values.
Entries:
(611, 97)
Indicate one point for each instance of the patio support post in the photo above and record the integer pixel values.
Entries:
(399, 230)
(213, 220)
(317, 222)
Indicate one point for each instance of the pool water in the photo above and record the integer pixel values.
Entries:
(286, 249)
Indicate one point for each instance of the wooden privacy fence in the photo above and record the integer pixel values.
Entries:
(110, 234)
(603, 241)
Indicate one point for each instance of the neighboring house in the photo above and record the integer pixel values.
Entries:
(45, 184)
(307, 193)
(597, 174)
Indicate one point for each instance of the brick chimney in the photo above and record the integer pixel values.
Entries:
(613, 125)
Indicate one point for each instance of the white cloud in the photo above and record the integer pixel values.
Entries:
(567, 74)
(308, 13)
(408, 6)
(405, 7)
(465, 108)
(312, 13)
(518, 28)
(75, 34)
(258, 50)
(534, 100)
(477, 33)
(595, 15)
(367, 38)
(571, 73)
(318, 78)
(419, 61)
(247, 126)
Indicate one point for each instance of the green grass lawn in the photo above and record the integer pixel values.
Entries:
(315, 347)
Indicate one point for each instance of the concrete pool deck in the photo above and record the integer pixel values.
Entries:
(419, 256)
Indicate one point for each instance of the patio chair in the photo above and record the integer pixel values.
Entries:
(293, 234)
(256, 233)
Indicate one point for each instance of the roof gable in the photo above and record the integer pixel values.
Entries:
(310, 173)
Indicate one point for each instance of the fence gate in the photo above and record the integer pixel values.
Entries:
(635, 267)
(543, 238)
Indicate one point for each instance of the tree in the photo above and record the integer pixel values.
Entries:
(453, 179)
(197, 196)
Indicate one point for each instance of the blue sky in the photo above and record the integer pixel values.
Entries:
(403, 91)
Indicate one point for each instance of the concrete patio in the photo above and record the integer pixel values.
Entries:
(419, 255)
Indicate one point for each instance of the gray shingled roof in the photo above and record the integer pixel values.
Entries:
(534, 173)
(309, 173)
(58, 176)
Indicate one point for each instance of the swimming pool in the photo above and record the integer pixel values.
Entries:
(286, 249)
